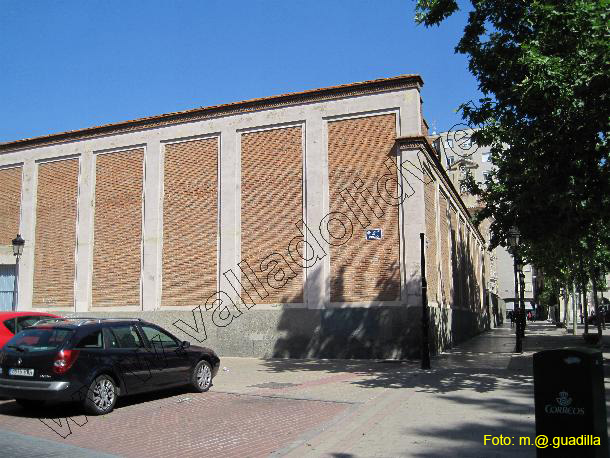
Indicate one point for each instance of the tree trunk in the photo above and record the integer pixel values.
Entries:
(585, 307)
(565, 306)
(596, 302)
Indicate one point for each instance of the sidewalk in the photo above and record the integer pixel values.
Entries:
(396, 409)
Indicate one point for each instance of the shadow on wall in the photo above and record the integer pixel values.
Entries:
(465, 316)
(379, 331)
(468, 315)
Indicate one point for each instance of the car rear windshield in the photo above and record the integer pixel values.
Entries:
(39, 339)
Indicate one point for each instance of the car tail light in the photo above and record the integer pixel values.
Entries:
(64, 361)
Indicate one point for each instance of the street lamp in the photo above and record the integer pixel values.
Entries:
(513, 237)
(18, 244)
(521, 299)
(519, 310)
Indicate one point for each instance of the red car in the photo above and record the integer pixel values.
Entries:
(13, 322)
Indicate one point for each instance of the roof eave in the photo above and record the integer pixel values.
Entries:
(344, 90)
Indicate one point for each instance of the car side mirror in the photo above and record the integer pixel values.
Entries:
(186, 344)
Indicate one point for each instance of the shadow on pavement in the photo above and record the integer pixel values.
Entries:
(475, 364)
(483, 378)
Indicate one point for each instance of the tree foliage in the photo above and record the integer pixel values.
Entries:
(543, 67)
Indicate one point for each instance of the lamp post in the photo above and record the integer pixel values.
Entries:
(521, 299)
(18, 244)
(521, 294)
(425, 318)
(519, 309)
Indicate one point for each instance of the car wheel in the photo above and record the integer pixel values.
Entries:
(29, 403)
(201, 378)
(101, 396)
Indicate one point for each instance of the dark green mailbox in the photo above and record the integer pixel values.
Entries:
(571, 402)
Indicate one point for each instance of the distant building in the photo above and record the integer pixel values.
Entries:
(460, 154)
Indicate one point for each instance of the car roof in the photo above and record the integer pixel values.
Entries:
(7, 315)
(76, 322)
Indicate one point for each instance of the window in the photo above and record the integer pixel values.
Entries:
(10, 324)
(486, 157)
(123, 336)
(26, 321)
(449, 143)
(159, 338)
(19, 323)
(35, 339)
(486, 175)
(463, 188)
(93, 340)
(450, 160)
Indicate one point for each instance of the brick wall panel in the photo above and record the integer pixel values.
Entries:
(475, 284)
(456, 265)
(272, 203)
(475, 276)
(56, 210)
(118, 229)
(469, 270)
(475, 272)
(431, 259)
(190, 222)
(445, 255)
(479, 292)
(10, 203)
(361, 270)
(463, 266)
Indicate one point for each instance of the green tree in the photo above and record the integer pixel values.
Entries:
(543, 67)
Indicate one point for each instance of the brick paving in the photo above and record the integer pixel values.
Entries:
(183, 423)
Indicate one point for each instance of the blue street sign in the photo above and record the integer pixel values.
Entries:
(373, 234)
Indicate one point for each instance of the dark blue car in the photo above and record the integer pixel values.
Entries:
(94, 361)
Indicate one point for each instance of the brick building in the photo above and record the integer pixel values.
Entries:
(284, 226)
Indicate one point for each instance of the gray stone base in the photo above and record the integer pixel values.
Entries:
(346, 333)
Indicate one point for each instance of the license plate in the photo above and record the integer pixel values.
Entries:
(21, 372)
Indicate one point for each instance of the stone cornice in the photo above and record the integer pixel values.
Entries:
(423, 143)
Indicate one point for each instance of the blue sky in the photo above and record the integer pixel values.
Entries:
(67, 65)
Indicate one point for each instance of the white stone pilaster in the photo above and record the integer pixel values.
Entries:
(84, 234)
(229, 208)
(317, 283)
(413, 221)
(151, 235)
(27, 229)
